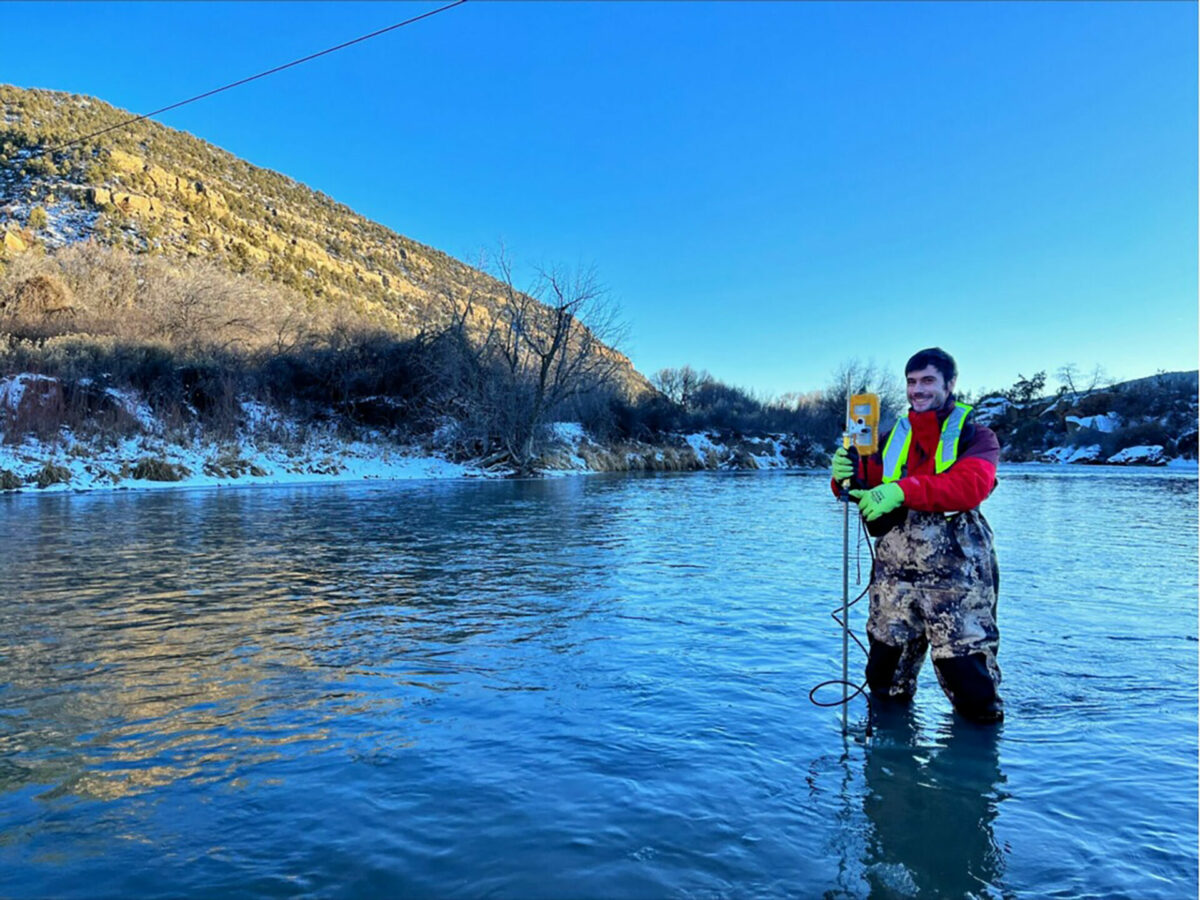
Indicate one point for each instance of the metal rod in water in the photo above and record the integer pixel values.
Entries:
(845, 613)
(846, 575)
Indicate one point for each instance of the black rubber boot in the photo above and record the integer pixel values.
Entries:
(882, 660)
(969, 685)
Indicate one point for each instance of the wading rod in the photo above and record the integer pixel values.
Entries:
(845, 612)
(846, 572)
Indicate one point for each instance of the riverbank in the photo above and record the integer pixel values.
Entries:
(127, 446)
(145, 462)
(148, 463)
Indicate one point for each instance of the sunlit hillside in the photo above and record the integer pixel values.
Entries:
(154, 190)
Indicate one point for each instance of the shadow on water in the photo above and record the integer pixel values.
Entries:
(931, 805)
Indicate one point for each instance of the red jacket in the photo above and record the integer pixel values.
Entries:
(963, 486)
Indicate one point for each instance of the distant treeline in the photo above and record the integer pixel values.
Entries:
(195, 342)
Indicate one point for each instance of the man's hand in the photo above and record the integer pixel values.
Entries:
(879, 501)
(843, 466)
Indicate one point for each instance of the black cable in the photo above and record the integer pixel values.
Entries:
(242, 81)
(858, 688)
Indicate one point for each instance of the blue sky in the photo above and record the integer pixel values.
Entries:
(766, 189)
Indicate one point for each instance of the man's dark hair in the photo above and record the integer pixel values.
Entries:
(936, 357)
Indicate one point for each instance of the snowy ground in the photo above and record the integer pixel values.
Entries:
(267, 450)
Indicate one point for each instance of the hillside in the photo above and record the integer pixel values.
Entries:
(153, 190)
(1146, 421)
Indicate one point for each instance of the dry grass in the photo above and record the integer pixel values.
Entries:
(50, 474)
(152, 468)
(229, 464)
(640, 457)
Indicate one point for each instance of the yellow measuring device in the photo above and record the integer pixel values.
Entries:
(862, 424)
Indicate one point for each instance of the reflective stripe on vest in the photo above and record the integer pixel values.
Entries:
(947, 448)
(895, 451)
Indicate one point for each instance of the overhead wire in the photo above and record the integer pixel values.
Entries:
(247, 80)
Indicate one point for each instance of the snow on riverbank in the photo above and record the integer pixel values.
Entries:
(149, 463)
(1141, 455)
(142, 453)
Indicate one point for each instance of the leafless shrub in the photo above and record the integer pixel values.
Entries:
(518, 361)
(190, 306)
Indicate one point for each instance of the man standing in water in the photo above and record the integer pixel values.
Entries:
(935, 577)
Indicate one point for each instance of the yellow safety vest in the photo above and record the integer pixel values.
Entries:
(895, 451)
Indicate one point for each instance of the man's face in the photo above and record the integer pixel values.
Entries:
(927, 389)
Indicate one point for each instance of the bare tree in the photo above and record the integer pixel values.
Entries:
(458, 369)
(681, 385)
(524, 356)
(1067, 375)
(863, 378)
(1080, 384)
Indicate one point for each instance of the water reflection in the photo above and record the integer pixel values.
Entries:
(192, 636)
(589, 687)
(931, 808)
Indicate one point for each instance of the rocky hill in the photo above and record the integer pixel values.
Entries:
(151, 189)
(1147, 421)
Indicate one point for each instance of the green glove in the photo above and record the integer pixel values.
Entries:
(879, 501)
(843, 466)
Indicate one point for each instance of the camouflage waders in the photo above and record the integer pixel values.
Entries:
(934, 587)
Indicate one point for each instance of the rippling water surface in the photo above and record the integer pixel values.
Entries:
(582, 687)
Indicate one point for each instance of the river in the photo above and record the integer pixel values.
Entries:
(579, 687)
